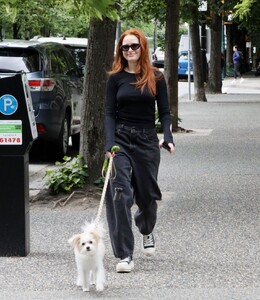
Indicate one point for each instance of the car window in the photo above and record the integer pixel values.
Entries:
(63, 63)
(72, 68)
(57, 64)
(158, 54)
(183, 57)
(19, 59)
(79, 55)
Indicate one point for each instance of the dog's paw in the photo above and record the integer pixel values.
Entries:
(99, 287)
(79, 282)
(85, 289)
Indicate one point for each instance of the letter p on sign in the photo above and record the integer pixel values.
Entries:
(8, 104)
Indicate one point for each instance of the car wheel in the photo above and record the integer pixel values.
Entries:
(61, 147)
(75, 139)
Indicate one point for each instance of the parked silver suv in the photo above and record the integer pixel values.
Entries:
(77, 47)
(56, 86)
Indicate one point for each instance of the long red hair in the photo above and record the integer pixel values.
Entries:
(145, 73)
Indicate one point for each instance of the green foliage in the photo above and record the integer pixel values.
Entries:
(158, 124)
(243, 9)
(100, 182)
(98, 9)
(52, 17)
(71, 17)
(70, 174)
(247, 13)
(144, 10)
(148, 15)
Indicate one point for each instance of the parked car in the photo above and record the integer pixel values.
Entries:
(158, 61)
(183, 63)
(77, 47)
(56, 86)
(158, 58)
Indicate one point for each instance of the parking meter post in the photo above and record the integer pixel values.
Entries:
(17, 132)
(14, 228)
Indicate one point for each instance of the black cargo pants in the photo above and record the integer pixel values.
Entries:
(136, 165)
(237, 70)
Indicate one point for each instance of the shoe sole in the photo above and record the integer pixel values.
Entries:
(120, 268)
(148, 251)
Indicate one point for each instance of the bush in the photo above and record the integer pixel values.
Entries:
(70, 174)
(158, 124)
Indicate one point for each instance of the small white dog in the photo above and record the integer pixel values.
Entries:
(89, 250)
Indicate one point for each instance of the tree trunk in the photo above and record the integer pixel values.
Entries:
(215, 82)
(203, 41)
(171, 58)
(16, 28)
(100, 53)
(199, 89)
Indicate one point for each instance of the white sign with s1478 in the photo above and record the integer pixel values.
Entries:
(10, 132)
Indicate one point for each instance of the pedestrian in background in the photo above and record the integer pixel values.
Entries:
(134, 88)
(237, 61)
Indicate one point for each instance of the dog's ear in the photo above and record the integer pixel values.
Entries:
(74, 240)
(96, 236)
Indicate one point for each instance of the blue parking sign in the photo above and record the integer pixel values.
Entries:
(8, 104)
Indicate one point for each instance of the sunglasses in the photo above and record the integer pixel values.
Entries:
(132, 46)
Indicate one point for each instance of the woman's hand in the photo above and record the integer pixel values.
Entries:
(113, 151)
(170, 145)
(109, 154)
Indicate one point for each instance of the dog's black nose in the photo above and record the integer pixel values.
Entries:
(88, 248)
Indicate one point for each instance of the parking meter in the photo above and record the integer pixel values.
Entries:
(17, 132)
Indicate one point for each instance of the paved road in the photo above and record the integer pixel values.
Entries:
(208, 222)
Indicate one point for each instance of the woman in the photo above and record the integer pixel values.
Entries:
(237, 60)
(132, 89)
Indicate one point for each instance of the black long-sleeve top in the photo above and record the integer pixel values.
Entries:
(126, 104)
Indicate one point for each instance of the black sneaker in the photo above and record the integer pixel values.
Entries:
(125, 265)
(148, 244)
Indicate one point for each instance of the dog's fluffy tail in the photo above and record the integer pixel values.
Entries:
(92, 226)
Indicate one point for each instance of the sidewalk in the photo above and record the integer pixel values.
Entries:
(36, 174)
(208, 222)
(250, 85)
(249, 88)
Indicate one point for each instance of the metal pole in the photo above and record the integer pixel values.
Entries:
(222, 46)
(189, 83)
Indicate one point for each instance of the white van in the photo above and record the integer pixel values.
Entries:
(184, 43)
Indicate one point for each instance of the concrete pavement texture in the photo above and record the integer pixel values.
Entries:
(207, 231)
